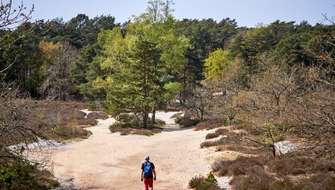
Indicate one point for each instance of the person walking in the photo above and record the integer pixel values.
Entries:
(148, 174)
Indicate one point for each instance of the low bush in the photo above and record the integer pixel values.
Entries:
(97, 115)
(260, 180)
(135, 131)
(127, 120)
(209, 124)
(237, 167)
(130, 124)
(296, 165)
(256, 179)
(186, 121)
(20, 175)
(70, 132)
(250, 173)
(204, 183)
(207, 144)
(230, 138)
(212, 135)
(217, 133)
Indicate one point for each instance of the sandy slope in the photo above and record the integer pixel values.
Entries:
(110, 161)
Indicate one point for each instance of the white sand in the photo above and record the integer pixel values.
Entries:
(110, 161)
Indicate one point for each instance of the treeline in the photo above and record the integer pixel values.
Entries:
(96, 59)
(32, 48)
(35, 50)
(40, 57)
(276, 75)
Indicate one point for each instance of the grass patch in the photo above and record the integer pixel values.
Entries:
(135, 131)
(130, 124)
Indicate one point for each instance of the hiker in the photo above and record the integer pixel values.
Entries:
(148, 174)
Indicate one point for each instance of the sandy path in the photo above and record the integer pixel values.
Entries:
(110, 161)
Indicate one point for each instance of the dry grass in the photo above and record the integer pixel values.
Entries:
(292, 172)
(71, 132)
(57, 119)
(295, 165)
(229, 138)
(217, 133)
(97, 115)
(187, 121)
(240, 166)
(209, 124)
(307, 168)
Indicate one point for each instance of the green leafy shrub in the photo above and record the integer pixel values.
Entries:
(129, 124)
(204, 183)
(20, 175)
(127, 120)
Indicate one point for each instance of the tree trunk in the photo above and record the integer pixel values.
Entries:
(278, 106)
(201, 114)
(145, 118)
(153, 118)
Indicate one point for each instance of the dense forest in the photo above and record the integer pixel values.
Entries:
(275, 80)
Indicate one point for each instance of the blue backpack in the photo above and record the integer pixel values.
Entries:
(147, 169)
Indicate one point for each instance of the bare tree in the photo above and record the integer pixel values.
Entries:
(13, 127)
(57, 85)
(11, 15)
(317, 107)
(199, 101)
(274, 90)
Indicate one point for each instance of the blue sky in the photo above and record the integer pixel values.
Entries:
(246, 12)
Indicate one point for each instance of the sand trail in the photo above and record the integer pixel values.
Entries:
(111, 161)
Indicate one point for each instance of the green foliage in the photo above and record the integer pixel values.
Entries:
(172, 90)
(217, 63)
(205, 36)
(19, 175)
(204, 183)
(20, 52)
(27, 63)
(139, 67)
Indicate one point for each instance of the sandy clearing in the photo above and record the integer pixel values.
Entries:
(110, 161)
